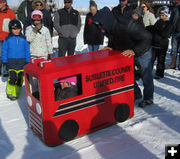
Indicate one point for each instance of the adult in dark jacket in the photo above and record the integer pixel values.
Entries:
(161, 31)
(127, 35)
(123, 8)
(92, 34)
(67, 23)
(24, 10)
(47, 19)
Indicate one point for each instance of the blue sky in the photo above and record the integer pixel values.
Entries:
(76, 3)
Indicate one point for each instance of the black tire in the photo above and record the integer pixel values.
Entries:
(122, 112)
(68, 130)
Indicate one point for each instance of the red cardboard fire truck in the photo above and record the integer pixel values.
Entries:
(100, 93)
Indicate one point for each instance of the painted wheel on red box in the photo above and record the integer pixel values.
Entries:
(122, 112)
(68, 130)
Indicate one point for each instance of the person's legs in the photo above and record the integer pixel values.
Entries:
(145, 61)
(174, 50)
(71, 46)
(19, 82)
(154, 56)
(62, 42)
(95, 47)
(90, 48)
(161, 62)
(11, 88)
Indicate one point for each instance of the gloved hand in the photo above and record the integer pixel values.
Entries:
(37, 27)
(49, 56)
(5, 70)
(5, 65)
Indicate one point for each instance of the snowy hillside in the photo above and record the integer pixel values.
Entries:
(142, 137)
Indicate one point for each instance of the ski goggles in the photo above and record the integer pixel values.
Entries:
(36, 17)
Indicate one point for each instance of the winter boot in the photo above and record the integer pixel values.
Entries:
(19, 82)
(173, 63)
(18, 91)
(11, 91)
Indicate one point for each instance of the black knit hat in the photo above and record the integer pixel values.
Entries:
(138, 11)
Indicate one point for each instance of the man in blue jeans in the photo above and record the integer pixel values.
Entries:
(130, 37)
(145, 66)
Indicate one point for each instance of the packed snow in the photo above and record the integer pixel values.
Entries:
(142, 137)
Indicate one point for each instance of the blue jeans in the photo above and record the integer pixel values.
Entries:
(93, 48)
(175, 44)
(144, 62)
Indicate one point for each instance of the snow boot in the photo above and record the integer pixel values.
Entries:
(11, 91)
(18, 91)
(173, 63)
(19, 83)
(145, 103)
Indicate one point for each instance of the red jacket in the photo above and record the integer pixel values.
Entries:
(5, 17)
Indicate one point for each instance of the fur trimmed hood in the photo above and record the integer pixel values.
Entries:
(34, 4)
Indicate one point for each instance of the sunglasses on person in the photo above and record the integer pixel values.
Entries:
(38, 4)
(67, 2)
(143, 7)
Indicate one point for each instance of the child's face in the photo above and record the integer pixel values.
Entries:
(135, 16)
(37, 22)
(16, 31)
(163, 17)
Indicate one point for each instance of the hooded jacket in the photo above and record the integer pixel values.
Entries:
(124, 33)
(24, 10)
(47, 19)
(15, 51)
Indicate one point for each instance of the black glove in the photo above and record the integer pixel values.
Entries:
(5, 69)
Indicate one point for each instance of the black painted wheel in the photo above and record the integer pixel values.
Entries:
(122, 112)
(68, 130)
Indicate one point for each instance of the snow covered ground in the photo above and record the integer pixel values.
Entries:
(142, 137)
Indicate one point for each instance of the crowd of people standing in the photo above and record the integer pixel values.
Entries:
(137, 32)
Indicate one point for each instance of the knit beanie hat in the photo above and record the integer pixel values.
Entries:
(164, 10)
(138, 11)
